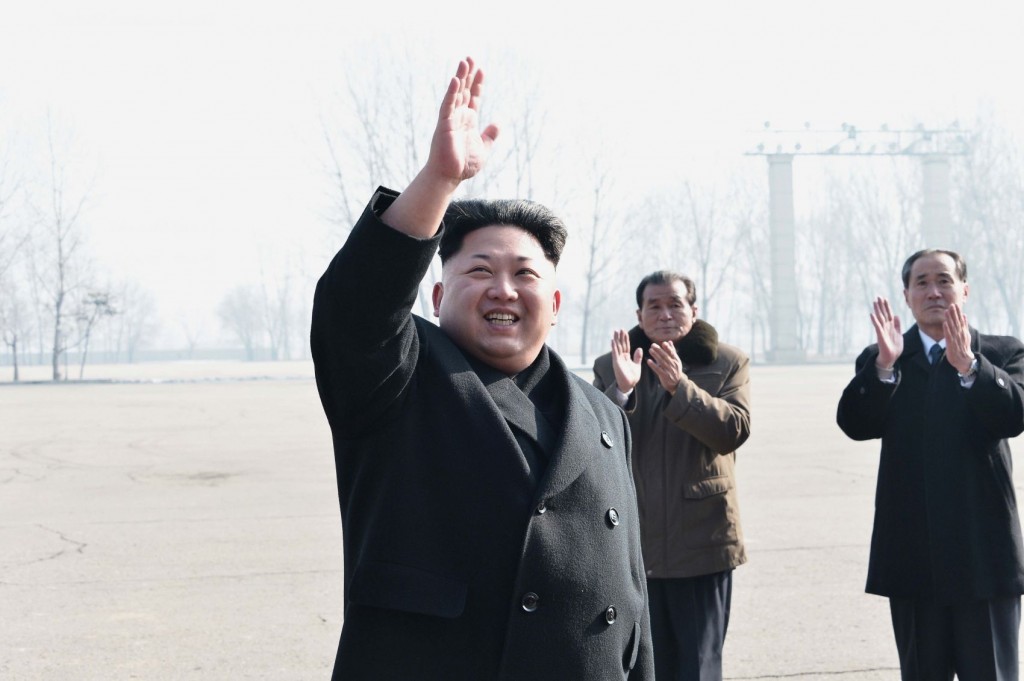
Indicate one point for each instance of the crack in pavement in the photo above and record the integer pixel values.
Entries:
(795, 675)
(76, 547)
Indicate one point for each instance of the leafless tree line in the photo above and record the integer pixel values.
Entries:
(860, 220)
(54, 301)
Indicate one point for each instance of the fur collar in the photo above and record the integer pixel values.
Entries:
(698, 347)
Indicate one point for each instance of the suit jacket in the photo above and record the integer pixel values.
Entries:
(684, 454)
(946, 526)
(460, 561)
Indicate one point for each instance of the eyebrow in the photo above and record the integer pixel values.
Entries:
(672, 299)
(488, 256)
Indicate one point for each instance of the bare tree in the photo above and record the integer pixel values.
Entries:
(277, 315)
(93, 307)
(138, 318)
(748, 212)
(603, 241)
(989, 205)
(193, 332)
(241, 313)
(59, 247)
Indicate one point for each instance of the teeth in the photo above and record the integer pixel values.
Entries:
(501, 318)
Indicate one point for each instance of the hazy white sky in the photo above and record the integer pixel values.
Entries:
(197, 124)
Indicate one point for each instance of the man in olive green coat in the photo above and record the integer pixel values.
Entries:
(688, 406)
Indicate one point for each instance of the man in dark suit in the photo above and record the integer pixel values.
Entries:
(488, 511)
(946, 547)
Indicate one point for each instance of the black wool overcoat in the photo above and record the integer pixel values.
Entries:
(460, 562)
(946, 527)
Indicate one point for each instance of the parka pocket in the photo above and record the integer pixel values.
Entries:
(708, 487)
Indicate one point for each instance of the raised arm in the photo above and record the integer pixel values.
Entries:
(458, 151)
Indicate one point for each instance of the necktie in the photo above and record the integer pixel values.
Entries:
(934, 353)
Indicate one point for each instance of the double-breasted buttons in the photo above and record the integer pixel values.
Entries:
(606, 439)
(610, 614)
(613, 517)
(541, 507)
(530, 601)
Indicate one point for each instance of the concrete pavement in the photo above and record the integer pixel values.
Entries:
(191, 531)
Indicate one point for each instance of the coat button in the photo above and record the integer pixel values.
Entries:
(1000, 382)
(613, 517)
(541, 507)
(606, 439)
(530, 601)
(862, 390)
(610, 614)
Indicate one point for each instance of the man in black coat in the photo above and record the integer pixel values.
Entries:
(488, 510)
(946, 547)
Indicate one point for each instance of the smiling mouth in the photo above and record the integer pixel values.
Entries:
(501, 318)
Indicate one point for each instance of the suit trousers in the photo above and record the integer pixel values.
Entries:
(977, 641)
(689, 618)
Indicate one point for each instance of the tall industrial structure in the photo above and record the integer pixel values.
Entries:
(780, 147)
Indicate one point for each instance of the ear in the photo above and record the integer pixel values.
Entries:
(694, 306)
(639, 319)
(906, 297)
(435, 295)
(966, 291)
(556, 302)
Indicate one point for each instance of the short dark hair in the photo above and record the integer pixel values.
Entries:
(463, 217)
(958, 262)
(665, 277)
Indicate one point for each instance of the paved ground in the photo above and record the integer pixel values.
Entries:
(191, 531)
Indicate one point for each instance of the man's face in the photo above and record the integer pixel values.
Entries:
(497, 298)
(934, 286)
(666, 315)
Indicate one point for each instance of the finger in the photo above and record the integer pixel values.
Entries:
(670, 350)
(476, 86)
(880, 308)
(638, 356)
(448, 102)
(490, 134)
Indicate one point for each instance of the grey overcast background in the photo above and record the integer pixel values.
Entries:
(197, 130)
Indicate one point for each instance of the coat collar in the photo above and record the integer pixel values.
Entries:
(696, 348)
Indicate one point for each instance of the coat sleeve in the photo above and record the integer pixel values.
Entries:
(996, 399)
(720, 421)
(604, 380)
(363, 340)
(864, 403)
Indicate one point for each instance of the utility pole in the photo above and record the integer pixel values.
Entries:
(934, 148)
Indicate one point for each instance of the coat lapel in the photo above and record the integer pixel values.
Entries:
(913, 349)
(579, 440)
(517, 408)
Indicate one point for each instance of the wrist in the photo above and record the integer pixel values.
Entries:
(971, 371)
